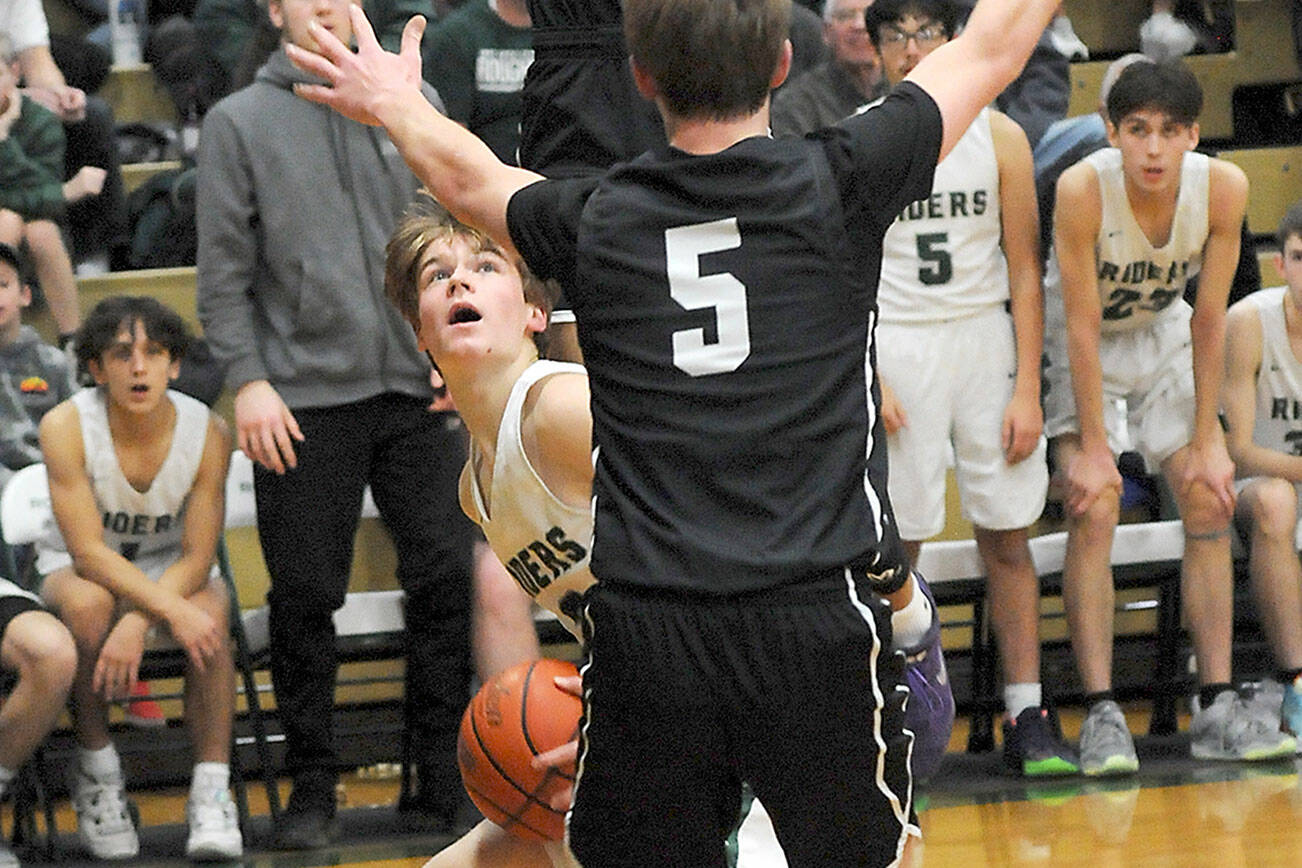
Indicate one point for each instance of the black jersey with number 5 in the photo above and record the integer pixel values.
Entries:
(725, 306)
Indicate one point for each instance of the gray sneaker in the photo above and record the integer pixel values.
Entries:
(1234, 728)
(1106, 747)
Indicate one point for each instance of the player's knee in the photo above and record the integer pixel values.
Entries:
(1097, 523)
(1273, 509)
(1203, 514)
(43, 650)
(43, 237)
(88, 615)
(11, 226)
(1005, 551)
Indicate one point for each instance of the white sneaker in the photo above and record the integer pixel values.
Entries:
(1164, 37)
(7, 857)
(214, 828)
(103, 821)
(1064, 39)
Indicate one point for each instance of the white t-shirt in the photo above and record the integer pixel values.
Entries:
(23, 21)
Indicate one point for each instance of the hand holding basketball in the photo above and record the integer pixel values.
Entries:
(516, 716)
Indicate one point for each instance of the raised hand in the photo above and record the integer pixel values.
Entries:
(360, 85)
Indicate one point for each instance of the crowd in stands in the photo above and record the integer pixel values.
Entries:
(285, 208)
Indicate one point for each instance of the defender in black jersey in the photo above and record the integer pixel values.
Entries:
(727, 288)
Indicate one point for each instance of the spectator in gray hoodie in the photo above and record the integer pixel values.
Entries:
(34, 376)
(295, 205)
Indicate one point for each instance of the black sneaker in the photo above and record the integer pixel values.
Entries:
(308, 821)
(1033, 746)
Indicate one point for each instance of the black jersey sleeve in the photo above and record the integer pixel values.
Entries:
(543, 221)
(885, 157)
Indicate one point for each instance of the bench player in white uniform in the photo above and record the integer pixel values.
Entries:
(1262, 402)
(528, 478)
(1133, 225)
(137, 475)
(959, 350)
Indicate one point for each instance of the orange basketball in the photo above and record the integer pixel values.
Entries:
(515, 716)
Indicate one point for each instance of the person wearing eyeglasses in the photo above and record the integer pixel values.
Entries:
(959, 356)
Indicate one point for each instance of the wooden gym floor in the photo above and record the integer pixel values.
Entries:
(1176, 812)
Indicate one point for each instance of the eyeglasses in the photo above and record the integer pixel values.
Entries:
(896, 38)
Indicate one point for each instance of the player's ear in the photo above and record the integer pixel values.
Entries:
(174, 369)
(783, 68)
(537, 321)
(24, 294)
(96, 371)
(646, 85)
(1114, 135)
(1195, 135)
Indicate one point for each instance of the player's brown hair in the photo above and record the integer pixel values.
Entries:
(710, 59)
(1289, 225)
(425, 223)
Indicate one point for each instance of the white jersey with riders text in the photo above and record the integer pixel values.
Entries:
(1278, 424)
(941, 258)
(1138, 282)
(543, 541)
(145, 527)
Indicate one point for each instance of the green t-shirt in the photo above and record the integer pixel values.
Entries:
(477, 63)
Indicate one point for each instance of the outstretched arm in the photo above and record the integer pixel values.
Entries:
(379, 88)
(966, 74)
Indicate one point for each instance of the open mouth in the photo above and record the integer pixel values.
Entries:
(139, 389)
(463, 313)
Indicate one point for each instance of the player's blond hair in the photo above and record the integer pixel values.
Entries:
(425, 223)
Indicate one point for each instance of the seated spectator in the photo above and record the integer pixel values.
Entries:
(849, 78)
(152, 462)
(34, 376)
(1263, 381)
(32, 194)
(97, 223)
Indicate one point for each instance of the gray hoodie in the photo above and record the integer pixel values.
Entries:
(34, 376)
(295, 206)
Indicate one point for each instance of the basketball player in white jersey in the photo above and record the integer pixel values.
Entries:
(1133, 225)
(959, 358)
(1262, 402)
(137, 476)
(528, 478)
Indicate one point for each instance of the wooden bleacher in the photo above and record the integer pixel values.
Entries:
(1263, 54)
(1275, 176)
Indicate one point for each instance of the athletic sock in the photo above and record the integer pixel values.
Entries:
(1019, 697)
(1093, 699)
(210, 777)
(6, 778)
(100, 763)
(1208, 692)
(909, 625)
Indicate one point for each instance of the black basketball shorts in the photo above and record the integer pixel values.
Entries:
(793, 690)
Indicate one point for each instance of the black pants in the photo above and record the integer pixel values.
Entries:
(792, 690)
(96, 223)
(306, 523)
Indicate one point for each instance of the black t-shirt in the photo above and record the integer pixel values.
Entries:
(724, 304)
